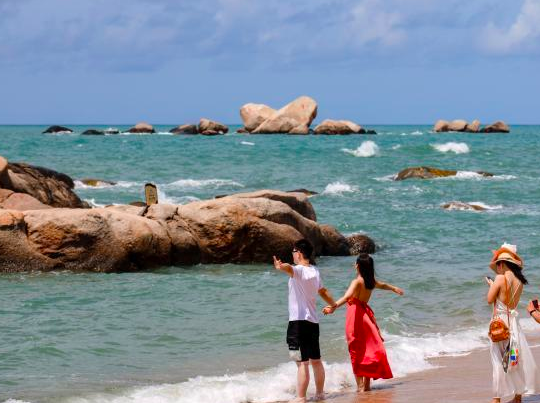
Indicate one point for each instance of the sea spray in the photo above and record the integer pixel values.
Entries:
(457, 148)
(366, 149)
(338, 188)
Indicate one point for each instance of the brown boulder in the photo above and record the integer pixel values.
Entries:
(3, 170)
(58, 129)
(337, 127)
(473, 127)
(457, 125)
(21, 202)
(185, 129)
(334, 243)
(254, 114)
(301, 129)
(359, 243)
(208, 126)
(49, 187)
(97, 182)
(142, 127)
(441, 126)
(299, 112)
(457, 205)
(429, 173)
(497, 127)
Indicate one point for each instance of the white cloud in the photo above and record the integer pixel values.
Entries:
(521, 36)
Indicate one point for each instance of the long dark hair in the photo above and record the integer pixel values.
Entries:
(366, 268)
(514, 268)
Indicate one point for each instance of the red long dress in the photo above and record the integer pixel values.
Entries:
(368, 356)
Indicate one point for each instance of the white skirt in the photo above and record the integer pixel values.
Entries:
(522, 379)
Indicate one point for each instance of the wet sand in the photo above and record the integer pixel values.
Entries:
(459, 379)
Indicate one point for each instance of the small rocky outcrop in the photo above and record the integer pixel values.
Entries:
(253, 115)
(96, 182)
(243, 228)
(142, 128)
(185, 129)
(10, 200)
(359, 243)
(58, 129)
(296, 114)
(93, 132)
(47, 186)
(211, 128)
(497, 127)
(338, 127)
(429, 173)
(112, 130)
(457, 205)
(473, 127)
(242, 130)
(307, 192)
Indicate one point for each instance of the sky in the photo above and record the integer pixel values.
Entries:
(175, 61)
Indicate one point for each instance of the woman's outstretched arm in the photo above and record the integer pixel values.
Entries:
(385, 286)
(348, 294)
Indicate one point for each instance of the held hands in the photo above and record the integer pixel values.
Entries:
(329, 309)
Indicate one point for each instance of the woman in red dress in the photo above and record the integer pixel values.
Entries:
(368, 356)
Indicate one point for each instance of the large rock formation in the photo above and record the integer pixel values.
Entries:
(473, 127)
(10, 200)
(429, 173)
(185, 129)
(299, 112)
(210, 128)
(142, 128)
(239, 229)
(58, 129)
(338, 127)
(93, 132)
(497, 127)
(253, 115)
(47, 186)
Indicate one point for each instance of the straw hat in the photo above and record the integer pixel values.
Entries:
(507, 253)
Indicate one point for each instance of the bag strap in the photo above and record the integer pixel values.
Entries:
(507, 298)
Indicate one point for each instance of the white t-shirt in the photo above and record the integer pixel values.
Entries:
(304, 287)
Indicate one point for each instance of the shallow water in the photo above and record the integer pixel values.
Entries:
(212, 331)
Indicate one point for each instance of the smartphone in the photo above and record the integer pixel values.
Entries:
(489, 278)
(535, 303)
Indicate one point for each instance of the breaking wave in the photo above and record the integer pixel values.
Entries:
(366, 149)
(458, 148)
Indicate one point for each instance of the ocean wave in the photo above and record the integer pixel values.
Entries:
(417, 133)
(93, 203)
(366, 149)
(396, 147)
(458, 148)
(202, 183)
(105, 185)
(407, 354)
(338, 188)
(247, 143)
(477, 176)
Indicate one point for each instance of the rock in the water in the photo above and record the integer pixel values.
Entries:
(58, 129)
(359, 243)
(473, 127)
(329, 126)
(429, 173)
(97, 182)
(142, 127)
(253, 115)
(370, 131)
(242, 130)
(208, 127)
(138, 203)
(49, 187)
(457, 125)
(441, 126)
(112, 130)
(301, 129)
(457, 205)
(237, 229)
(185, 129)
(93, 132)
(299, 112)
(497, 127)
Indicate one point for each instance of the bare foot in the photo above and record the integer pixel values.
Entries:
(298, 400)
(496, 400)
(516, 399)
(319, 397)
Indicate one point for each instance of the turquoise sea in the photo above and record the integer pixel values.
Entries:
(216, 333)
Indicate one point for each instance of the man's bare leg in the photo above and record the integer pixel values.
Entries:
(319, 375)
(302, 381)
(367, 384)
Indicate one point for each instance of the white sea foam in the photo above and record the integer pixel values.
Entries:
(247, 143)
(407, 354)
(93, 203)
(477, 176)
(396, 147)
(202, 184)
(417, 133)
(468, 206)
(338, 188)
(458, 148)
(366, 149)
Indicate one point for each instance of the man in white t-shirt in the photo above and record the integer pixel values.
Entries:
(303, 330)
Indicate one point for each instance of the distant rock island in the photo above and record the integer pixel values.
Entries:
(473, 127)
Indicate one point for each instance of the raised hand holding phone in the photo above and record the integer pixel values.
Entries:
(489, 280)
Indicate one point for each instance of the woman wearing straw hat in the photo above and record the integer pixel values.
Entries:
(514, 370)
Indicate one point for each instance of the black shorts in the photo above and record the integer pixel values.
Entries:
(304, 335)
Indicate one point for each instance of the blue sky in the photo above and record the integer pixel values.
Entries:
(165, 61)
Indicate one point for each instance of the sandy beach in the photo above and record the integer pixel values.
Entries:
(464, 379)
